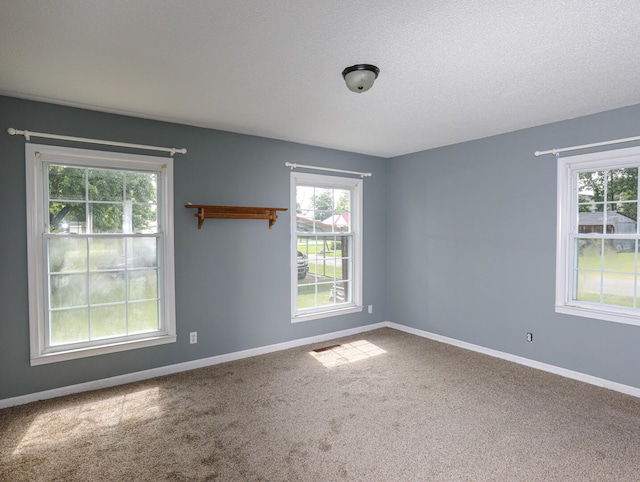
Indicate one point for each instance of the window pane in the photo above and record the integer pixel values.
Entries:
(590, 222)
(343, 272)
(307, 244)
(302, 266)
(68, 290)
(143, 317)
(323, 204)
(141, 187)
(618, 289)
(618, 222)
(143, 284)
(144, 218)
(628, 217)
(343, 200)
(588, 286)
(344, 246)
(341, 217)
(340, 222)
(106, 253)
(304, 221)
(107, 287)
(587, 283)
(67, 183)
(106, 185)
(108, 321)
(106, 218)
(589, 254)
(142, 253)
(591, 188)
(306, 296)
(619, 255)
(69, 326)
(622, 184)
(67, 254)
(325, 294)
(340, 293)
(67, 217)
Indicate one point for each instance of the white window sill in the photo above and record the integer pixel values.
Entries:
(326, 314)
(101, 350)
(599, 314)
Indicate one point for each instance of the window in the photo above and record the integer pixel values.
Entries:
(100, 252)
(597, 274)
(326, 246)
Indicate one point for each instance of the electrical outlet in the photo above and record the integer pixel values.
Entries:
(529, 336)
(193, 337)
(370, 308)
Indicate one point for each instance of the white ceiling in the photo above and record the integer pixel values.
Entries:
(450, 70)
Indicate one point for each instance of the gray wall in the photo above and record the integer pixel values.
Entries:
(459, 241)
(471, 235)
(232, 277)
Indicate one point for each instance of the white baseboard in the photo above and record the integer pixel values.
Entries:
(181, 367)
(214, 360)
(600, 382)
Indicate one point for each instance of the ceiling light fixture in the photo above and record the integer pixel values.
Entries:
(360, 77)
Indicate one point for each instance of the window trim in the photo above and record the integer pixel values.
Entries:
(36, 208)
(356, 185)
(566, 215)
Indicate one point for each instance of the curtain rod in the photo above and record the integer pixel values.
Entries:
(330, 169)
(586, 146)
(28, 134)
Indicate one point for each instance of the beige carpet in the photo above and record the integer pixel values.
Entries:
(384, 406)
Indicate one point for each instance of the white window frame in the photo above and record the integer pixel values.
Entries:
(567, 229)
(36, 156)
(336, 182)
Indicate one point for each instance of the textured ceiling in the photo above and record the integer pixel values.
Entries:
(450, 70)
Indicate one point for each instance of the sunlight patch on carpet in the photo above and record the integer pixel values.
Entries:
(336, 355)
(80, 420)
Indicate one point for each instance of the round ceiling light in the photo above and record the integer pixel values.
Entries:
(360, 77)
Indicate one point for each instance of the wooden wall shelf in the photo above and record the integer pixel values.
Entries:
(235, 212)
